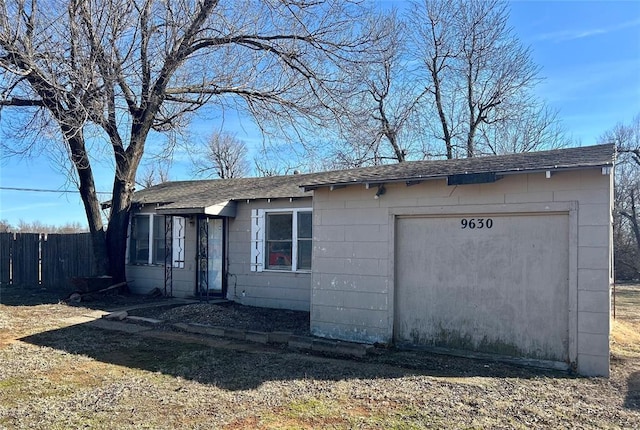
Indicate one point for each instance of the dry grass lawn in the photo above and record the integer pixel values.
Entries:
(58, 373)
(625, 339)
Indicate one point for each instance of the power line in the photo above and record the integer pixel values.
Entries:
(40, 190)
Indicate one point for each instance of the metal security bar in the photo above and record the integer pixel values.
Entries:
(168, 256)
(203, 258)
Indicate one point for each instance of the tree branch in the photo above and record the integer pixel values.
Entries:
(15, 101)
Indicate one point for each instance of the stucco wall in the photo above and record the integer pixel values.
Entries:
(353, 261)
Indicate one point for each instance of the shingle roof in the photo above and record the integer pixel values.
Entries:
(570, 158)
(204, 193)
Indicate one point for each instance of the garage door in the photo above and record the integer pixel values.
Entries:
(484, 282)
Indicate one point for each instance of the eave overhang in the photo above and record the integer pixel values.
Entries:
(413, 180)
(224, 209)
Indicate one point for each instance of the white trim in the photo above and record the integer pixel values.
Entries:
(150, 239)
(257, 240)
(287, 210)
(294, 239)
(178, 241)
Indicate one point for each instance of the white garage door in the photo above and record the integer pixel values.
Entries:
(482, 282)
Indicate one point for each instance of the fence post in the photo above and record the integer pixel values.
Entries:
(6, 248)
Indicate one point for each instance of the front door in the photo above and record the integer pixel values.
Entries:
(210, 256)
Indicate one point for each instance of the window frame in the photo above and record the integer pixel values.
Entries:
(297, 240)
(280, 244)
(159, 242)
(177, 242)
(260, 258)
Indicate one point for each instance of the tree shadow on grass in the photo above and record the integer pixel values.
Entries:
(632, 400)
(247, 366)
(15, 295)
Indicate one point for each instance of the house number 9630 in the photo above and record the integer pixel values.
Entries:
(476, 223)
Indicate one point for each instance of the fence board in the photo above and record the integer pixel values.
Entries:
(32, 259)
(65, 256)
(26, 259)
(6, 244)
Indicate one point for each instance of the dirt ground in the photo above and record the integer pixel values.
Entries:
(231, 314)
(57, 372)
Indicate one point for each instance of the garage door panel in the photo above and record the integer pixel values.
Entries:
(502, 289)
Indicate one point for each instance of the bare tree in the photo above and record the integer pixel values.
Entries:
(122, 69)
(375, 127)
(288, 158)
(40, 227)
(5, 226)
(626, 217)
(478, 76)
(153, 174)
(435, 38)
(225, 156)
(534, 127)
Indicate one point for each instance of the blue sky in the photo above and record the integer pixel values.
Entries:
(589, 52)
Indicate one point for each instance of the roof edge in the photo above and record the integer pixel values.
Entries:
(563, 166)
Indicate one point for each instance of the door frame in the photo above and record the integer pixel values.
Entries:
(202, 258)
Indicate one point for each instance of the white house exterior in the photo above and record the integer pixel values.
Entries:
(508, 255)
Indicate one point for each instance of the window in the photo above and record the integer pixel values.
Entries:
(158, 240)
(304, 240)
(281, 240)
(139, 244)
(147, 240)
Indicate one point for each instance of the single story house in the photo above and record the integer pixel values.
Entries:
(508, 254)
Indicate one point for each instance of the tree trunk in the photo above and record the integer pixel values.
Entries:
(634, 219)
(127, 162)
(437, 91)
(123, 188)
(116, 242)
(390, 133)
(470, 138)
(90, 200)
(472, 118)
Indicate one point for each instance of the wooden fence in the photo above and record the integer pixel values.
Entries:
(45, 260)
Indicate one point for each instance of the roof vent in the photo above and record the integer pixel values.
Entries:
(472, 178)
(296, 172)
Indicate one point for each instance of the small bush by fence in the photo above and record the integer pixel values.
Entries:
(45, 260)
